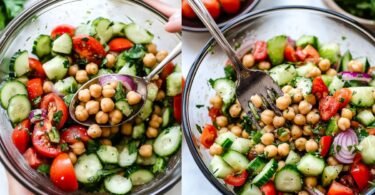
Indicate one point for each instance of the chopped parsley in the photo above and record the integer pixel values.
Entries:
(57, 116)
(199, 128)
(43, 169)
(64, 147)
(199, 105)
(256, 135)
(37, 100)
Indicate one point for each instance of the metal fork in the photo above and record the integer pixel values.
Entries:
(249, 82)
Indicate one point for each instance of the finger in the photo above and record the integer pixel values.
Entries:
(16, 188)
(174, 23)
(162, 7)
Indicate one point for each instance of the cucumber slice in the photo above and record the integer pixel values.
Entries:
(108, 154)
(327, 79)
(104, 72)
(219, 168)
(330, 51)
(119, 29)
(138, 131)
(335, 85)
(168, 141)
(236, 160)
(241, 145)
(83, 29)
(305, 40)
(19, 63)
(249, 189)
(174, 84)
(128, 69)
(304, 84)
(56, 68)
(283, 74)
(367, 150)
(19, 108)
(311, 165)
(167, 116)
(126, 158)
(361, 97)
(266, 174)
(141, 177)
(366, 117)
(146, 110)
(124, 107)
(152, 91)
(42, 46)
(275, 49)
(293, 158)
(304, 70)
(103, 29)
(224, 136)
(332, 127)
(137, 34)
(63, 44)
(330, 173)
(87, 169)
(67, 86)
(225, 88)
(9, 90)
(117, 184)
(256, 165)
(288, 179)
(346, 58)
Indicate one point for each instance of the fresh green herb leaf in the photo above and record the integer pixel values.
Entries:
(64, 147)
(159, 165)
(43, 169)
(199, 105)
(132, 147)
(57, 116)
(256, 135)
(120, 92)
(199, 128)
(230, 73)
(92, 146)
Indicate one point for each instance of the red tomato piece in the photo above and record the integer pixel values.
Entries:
(167, 70)
(290, 54)
(325, 144)
(34, 89)
(62, 173)
(213, 7)
(120, 44)
(54, 104)
(187, 11)
(88, 48)
(208, 136)
(36, 67)
(343, 96)
(300, 55)
(339, 189)
(328, 107)
(319, 89)
(231, 6)
(312, 55)
(32, 158)
(21, 136)
(237, 180)
(41, 141)
(177, 106)
(213, 113)
(268, 188)
(260, 51)
(62, 29)
(361, 175)
(75, 134)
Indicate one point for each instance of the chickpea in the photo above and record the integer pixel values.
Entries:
(355, 66)
(161, 55)
(81, 114)
(151, 132)
(107, 104)
(101, 117)
(216, 149)
(222, 121)
(286, 89)
(264, 65)
(332, 161)
(259, 148)
(84, 95)
(138, 120)
(311, 181)
(160, 95)
(151, 48)
(346, 113)
(300, 143)
(149, 60)
(92, 68)
(248, 61)
(114, 130)
(47, 87)
(311, 99)
(133, 97)
(296, 132)
(72, 71)
(216, 101)
(267, 139)
(127, 129)
(245, 134)
(270, 151)
(145, 150)
(283, 149)
(312, 118)
(115, 117)
(315, 72)
(72, 157)
(283, 134)
(303, 193)
(267, 116)
(106, 142)
(157, 110)
(283, 102)
(278, 121)
(295, 108)
(106, 132)
(256, 100)
(114, 84)
(343, 123)
(304, 107)
(95, 90)
(324, 65)
(111, 60)
(289, 114)
(92, 107)
(299, 119)
(235, 110)
(297, 95)
(94, 131)
(311, 146)
(108, 91)
(236, 130)
(78, 148)
(81, 76)
(331, 72)
(268, 128)
(307, 130)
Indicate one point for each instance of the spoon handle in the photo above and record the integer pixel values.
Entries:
(172, 55)
(211, 25)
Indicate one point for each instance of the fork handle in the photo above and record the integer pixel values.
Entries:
(201, 11)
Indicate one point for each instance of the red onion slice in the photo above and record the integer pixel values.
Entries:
(37, 115)
(127, 81)
(355, 76)
(344, 141)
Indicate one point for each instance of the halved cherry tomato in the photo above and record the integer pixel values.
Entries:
(187, 11)
(260, 50)
(319, 89)
(371, 131)
(62, 173)
(300, 55)
(328, 107)
(167, 70)
(75, 134)
(208, 136)
(120, 44)
(268, 188)
(21, 135)
(177, 106)
(41, 141)
(312, 55)
(213, 7)
(361, 175)
(32, 158)
(62, 29)
(213, 113)
(230, 6)
(237, 180)
(36, 67)
(325, 144)
(34, 89)
(88, 48)
(290, 54)
(343, 96)
(339, 189)
(54, 104)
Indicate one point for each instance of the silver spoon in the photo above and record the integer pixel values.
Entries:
(141, 83)
(249, 81)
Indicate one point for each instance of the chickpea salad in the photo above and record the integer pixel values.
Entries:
(324, 140)
(112, 159)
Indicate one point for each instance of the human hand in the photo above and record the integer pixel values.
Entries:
(174, 14)
(16, 188)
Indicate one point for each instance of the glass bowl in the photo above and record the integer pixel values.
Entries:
(40, 18)
(292, 21)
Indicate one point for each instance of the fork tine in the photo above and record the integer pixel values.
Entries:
(277, 90)
(254, 110)
(254, 121)
(272, 104)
